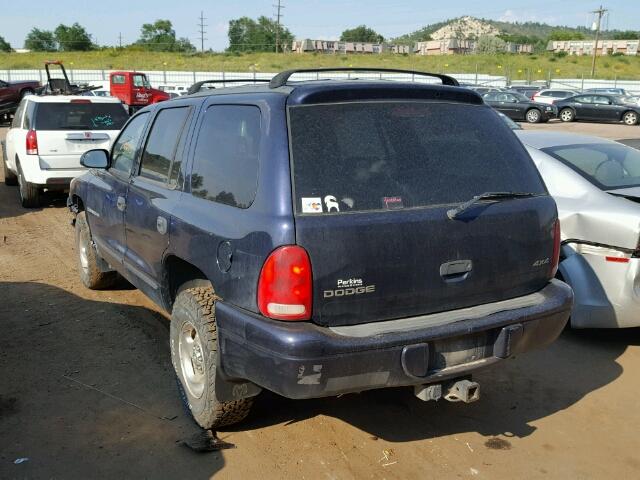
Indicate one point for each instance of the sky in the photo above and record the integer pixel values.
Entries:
(319, 19)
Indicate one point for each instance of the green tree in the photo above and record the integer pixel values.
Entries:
(565, 35)
(490, 44)
(40, 41)
(626, 35)
(361, 34)
(248, 35)
(73, 38)
(161, 37)
(4, 45)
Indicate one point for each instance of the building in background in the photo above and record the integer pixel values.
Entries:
(455, 46)
(335, 46)
(585, 47)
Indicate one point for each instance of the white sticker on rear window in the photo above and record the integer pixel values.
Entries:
(311, 205)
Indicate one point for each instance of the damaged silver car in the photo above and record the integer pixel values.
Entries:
(596, 185)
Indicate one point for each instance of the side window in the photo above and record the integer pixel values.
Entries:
(225, 165)
(17, 118)
(124, 150)
(118, 79)
(584, 99)
(601, 100)
(162, 143)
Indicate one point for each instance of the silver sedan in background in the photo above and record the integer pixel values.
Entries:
(596, 185)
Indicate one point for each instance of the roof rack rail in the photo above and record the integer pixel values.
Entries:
(195, 88)
(281, 79)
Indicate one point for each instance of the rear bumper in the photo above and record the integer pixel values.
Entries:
(41, 171)
(304, 360)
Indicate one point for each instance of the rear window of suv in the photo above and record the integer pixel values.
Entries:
(391, 155)
(80, 116)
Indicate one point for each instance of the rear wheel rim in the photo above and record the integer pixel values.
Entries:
(630, 119)
(192, 362)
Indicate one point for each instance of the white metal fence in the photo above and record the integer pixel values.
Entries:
(181, 78)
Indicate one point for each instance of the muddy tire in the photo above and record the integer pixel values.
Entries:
(90, 273)
(10, 178)
(194, 350)
(567, 115)
(533, 115)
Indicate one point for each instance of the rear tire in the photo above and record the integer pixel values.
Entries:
(567, 115)
(29, 192)
(10, 178)
(194, 354)
(25, 92)
(90, 273)
(533, 115)
(630, 118)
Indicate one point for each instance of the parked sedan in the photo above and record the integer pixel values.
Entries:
(518, 107)
(607, 91)
(603, 108)
(596, 185)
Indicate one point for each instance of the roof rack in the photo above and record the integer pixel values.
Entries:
(195, 88)
(281, 79)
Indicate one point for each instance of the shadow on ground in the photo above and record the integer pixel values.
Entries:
(515, 393)
(88, 391)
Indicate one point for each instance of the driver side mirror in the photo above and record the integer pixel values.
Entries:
(98, 158)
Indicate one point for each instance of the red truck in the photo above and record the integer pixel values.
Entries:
(12, 92)
(134, 90)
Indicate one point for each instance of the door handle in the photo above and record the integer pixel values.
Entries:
(121, 203)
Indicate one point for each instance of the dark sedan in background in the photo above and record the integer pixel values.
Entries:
(601, 108)
(518, 107)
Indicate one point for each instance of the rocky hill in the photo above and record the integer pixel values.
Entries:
(470, 27)
(465, 27)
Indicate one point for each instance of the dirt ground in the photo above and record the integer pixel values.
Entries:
(87, 391)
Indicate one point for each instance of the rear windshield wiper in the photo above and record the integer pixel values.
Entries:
(454, 212)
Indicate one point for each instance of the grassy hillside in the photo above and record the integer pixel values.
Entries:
(518, 67)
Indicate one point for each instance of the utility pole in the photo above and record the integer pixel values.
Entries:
(202, 31)
(279, 6)
(120, 39)
(600, 13)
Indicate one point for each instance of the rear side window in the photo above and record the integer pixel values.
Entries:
(225, 165)
(17, 118)
(393, 155)
(608, 165)
(162, 143)
(80, 116)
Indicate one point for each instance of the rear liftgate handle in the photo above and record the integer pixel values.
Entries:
(456, 271)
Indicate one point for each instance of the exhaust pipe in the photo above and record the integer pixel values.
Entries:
(463, 391)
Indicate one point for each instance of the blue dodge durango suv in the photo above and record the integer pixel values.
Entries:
(319, 237)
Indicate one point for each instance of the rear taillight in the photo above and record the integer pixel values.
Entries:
(555, 260)
(285, 284)
(32, 143)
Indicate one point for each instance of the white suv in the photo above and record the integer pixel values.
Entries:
(551, 95)
(50, 133)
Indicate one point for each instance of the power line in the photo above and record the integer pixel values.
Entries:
(600, 12)
(202, 31)
(279, 7)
